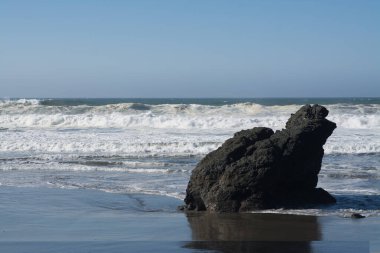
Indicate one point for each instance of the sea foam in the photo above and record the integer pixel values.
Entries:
(31, 114)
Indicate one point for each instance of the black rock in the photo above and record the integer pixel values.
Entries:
(357, 216)
(260, 169)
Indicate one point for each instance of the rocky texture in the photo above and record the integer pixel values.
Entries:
(260, 169)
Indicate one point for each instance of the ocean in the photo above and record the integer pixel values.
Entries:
(150, 146)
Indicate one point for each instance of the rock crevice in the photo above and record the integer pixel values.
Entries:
(261, 169)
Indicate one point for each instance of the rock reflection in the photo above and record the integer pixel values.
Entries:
(253, 232)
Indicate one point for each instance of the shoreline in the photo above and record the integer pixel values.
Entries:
(50, 216)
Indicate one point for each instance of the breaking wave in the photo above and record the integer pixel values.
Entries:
(33, 113)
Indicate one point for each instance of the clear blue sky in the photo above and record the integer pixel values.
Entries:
(189, 48)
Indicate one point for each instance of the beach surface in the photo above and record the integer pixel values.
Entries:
(41, 219)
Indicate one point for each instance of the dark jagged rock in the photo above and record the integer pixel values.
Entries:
(357, 216)
(260, 169)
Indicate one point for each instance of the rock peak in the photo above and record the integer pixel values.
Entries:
(305, 114)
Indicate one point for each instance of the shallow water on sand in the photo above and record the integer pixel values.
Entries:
(71, 220)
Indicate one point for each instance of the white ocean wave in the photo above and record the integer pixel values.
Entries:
(132, 121)
(157, 142)
(24, 113)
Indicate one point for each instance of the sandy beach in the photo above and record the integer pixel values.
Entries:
(63, 220)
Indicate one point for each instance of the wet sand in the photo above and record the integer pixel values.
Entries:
(62, 220)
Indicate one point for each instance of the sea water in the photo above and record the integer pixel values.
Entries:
(150, 146)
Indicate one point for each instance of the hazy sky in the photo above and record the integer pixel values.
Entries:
(189, 48)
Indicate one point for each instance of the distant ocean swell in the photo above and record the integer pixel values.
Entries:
(34, 113)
